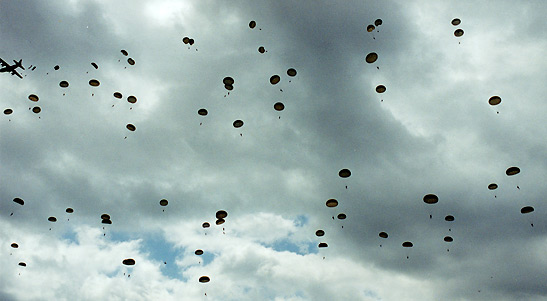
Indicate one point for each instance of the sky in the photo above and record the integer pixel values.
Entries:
(431, 132)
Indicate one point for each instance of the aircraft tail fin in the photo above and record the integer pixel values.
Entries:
(19, 64)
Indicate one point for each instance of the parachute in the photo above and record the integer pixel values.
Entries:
(238, 123)
(52, 219)
(118, 95)
(449, 218)
(448, 239)
(14, 245)
(332, 203)
(131, 61)
(33, 97)
(56, 67)
(124, 52)
(380, 89)
(527, 209)
(69, 210)
(252, 24)
(106, 221)
(430, 199)
(204, 279)
(456, 22)
(22, 264)
(511, 171)
(186, 40)
(378, 22)
(163, 202)
(220, 221)
(370, 28)
(371, 57)
(19, 201)
(492, 186)
(206, 225)
(105, 216)
(494, 100)
(95, 65)
(63, 84)
(131, 99)
(36, 110)
(221, 214)
(275, 79)
(319, 233)
(323, 245)
(94, 83)
(383, 234)
(8, 111)
(129, 261)
(229, 87)
(342, 216)
(344, 173)
(191, 41)
(291, 72)
(198, 252)
(279, 106)
(458, 33)
(130, 127)
(408, 244)
(261, 49)
(228, 81)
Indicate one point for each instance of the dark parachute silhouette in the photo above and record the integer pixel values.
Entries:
(449, 218)
(106, 221)
(69, 210)
(371, 57)
(319, 233)
(408, 244)
(124, 52)
(458, 32)
(279, 106)
(206, 225)
(494, 100)
(118, 95)
(275, 79)
(33, 97)
(52, 219)
(56, 67)
(95, 65)
(105, 216)
(94, 83)
(130, 127)
(332, 203)
(252, 24)
(19, 201)
(511, 171)
(129, 261)
(448, 239)
(344, 173)
(492, 186)
(186, 40)
(380, 89)
(8, 111)
(341, 216)
(370, 28)
(383, 234)
(14, 245)
(378, 22)
(322, 245)
(63, 84)
(456, 22)
(527, 209)
(36, 110)
(228, 81)
(220, 221)
(204, 279)
(238, 123)
(430, 199)
(131, 99)
(131, 61)
(198, 252)
(291, 72)
(163, 202)
(261, 49)
(221, 214)
(22, 264)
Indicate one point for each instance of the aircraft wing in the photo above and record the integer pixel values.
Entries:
(16, 73)
(4, 63)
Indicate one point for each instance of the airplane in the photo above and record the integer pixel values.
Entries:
(12, 68)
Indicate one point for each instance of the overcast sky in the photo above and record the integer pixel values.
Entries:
(432, 132)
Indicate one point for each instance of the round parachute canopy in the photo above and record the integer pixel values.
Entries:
(22, 264)
(106, 221)
(228, 87)
(131, 61)
(191, 41)
(407, 244)
(63, 84)
(206, 225)
(69, 210)
(279, 106)
(36, 110)
(130, 127)
(52, 219)
(261, 49)
(94, 83)
(494, 100)
(220, 221)
(458, 33)
(380, 89)
(204, 279)
(527, 209)
(164, 202)
(370, 28)
(342, 216)
(118, 95)
(291, 72)
(221, 214)
(456, 22)
(383, 234)
(431, 199)
(124, 52)
(378, 22)
(322, 245)
(274, 79)
(228, 81)
(198, 252)
(33, 97)
(448, 239)
(344, 173)
(105, 216)
(238, 123)
(371, 57)
(14, 245)
(511, 171)
(129, 261)
(202, 112)
(492, 186)
(19, 201)
(56, 67)
(332, 203)
(186, 40)
(95, 65)
(319, 233)
(131, 99)
(8, 111)
(252, 24)
(449, 218)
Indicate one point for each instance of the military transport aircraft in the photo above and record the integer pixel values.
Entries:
(12, 68)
